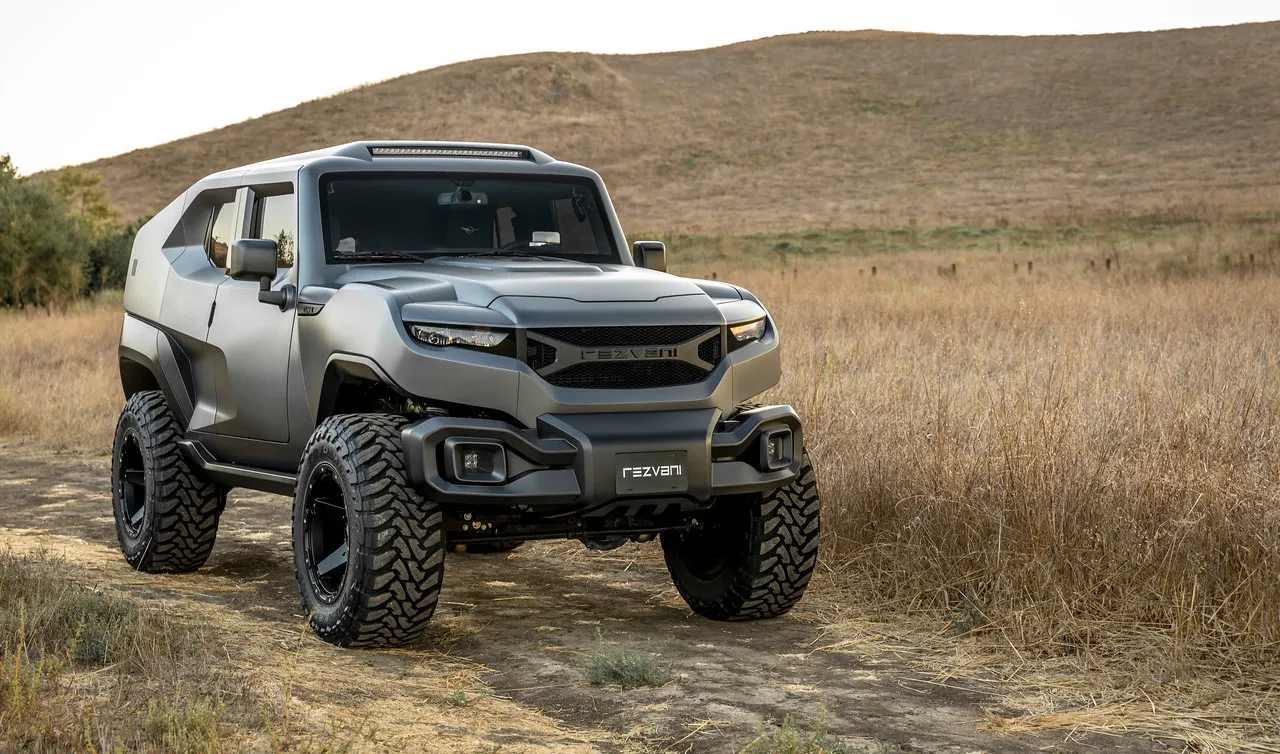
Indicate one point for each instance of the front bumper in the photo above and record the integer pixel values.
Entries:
(567, 462)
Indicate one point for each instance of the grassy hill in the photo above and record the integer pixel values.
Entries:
(831, 129)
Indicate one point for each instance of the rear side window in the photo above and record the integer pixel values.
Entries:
(275, 218)
(221, 229)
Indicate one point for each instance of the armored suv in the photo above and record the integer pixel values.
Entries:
(436, 347)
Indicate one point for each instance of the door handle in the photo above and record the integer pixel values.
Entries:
(212, 308)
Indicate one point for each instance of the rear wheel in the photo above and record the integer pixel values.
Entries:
(368, 550)
(166, 512)
(754, 554)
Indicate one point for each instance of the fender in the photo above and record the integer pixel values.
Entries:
(150, 359)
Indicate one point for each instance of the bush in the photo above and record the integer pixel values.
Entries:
(58, 241)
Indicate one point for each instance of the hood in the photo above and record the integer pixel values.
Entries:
(480, 282)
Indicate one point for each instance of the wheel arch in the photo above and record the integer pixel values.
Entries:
(353, 384)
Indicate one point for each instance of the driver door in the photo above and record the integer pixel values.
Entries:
(254, 338)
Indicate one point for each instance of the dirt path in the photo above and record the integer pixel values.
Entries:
(520, 626)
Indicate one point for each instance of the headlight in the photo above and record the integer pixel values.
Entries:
(473, 337)
(746, 332)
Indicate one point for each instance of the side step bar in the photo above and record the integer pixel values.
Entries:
(235, 475)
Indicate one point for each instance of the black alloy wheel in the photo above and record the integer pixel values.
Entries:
(132, 488)
(324, 524)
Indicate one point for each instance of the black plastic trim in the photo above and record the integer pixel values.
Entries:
(235, 475)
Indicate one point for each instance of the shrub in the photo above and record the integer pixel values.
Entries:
(58, 240)
(612, 665)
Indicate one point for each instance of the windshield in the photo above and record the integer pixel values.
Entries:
(385, 217)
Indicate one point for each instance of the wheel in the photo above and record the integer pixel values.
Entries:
(462, 546)
(754, 555)
(166, 512)
(367, 549)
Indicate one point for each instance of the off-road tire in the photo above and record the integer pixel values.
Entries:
(395, 537)
(166, 512)
(755, 555)
(462, 546)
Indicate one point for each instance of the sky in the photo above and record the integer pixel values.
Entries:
(83, 79)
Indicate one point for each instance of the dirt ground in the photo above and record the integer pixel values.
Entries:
(511, 634)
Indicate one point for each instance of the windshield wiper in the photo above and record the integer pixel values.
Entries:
(510, 253)
(373, 256)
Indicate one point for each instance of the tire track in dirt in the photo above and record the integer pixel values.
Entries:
(520, 625)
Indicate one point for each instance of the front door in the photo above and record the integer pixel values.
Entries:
(253, 338)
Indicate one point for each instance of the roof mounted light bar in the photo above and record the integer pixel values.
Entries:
(481, 152)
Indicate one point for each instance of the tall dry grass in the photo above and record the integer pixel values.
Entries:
(1081, 468)
(59, 379)
(1047, 451)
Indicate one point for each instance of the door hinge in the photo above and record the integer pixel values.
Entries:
(212, 307)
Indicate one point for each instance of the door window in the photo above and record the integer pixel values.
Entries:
(221, 230)
(275, 217)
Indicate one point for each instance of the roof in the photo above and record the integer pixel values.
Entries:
(482, 154)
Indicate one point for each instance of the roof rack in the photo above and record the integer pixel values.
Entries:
(490, 153)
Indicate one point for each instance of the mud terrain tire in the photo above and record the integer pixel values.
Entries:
(755, 554)
(166, 512)
(367, 549)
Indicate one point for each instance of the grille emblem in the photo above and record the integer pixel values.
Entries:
(628, 354)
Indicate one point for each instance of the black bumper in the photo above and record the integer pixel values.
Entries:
(568, 460)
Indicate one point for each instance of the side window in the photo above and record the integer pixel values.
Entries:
(221, 230)
(276, 218)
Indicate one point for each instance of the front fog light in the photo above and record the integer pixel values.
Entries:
(775, 449)
(475, 461)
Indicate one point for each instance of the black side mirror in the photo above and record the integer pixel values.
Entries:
(650, 255)
(252, 259)
(255, 259)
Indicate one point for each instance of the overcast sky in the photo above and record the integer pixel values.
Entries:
(82, 79)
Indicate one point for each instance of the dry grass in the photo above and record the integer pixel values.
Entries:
(1065, 480)
(59, 379)
(1069, 478)
(826, 129)
(86, 669)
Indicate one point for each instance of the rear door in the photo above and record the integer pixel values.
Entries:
(197, 253)
(254, 338)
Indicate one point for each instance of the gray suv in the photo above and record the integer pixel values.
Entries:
(436, 347)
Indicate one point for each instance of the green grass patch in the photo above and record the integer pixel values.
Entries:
(614, 665)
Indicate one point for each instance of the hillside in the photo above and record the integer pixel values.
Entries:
(830, 129)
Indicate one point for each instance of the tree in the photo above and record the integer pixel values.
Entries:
(87, 199)
(44, 248)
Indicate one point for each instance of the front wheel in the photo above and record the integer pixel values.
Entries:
(367, 549)
(754, 554)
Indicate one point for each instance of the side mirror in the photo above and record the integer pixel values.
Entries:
(252, 259)
(651, 255)
(255, 259)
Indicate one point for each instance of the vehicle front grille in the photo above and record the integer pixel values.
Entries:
(627, 375)
(540, 355)
(624, 373)
(631, 335)
(709, 350)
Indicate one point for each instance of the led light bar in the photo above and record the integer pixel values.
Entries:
(494, 154)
